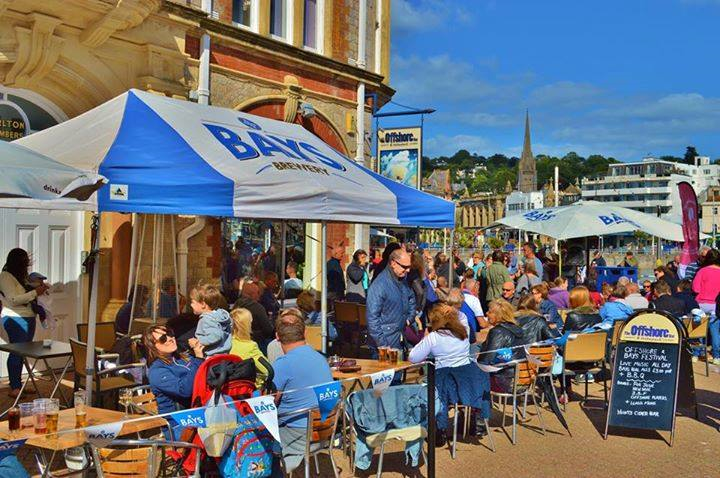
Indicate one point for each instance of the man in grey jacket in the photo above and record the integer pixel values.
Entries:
(390, 302)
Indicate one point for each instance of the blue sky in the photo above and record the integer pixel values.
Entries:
(620, 77)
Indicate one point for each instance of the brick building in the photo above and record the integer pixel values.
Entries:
(275, 58)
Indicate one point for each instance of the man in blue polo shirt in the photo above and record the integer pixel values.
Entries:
(299, 369)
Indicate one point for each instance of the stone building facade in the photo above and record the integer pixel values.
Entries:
(480, 210)
(267, 57)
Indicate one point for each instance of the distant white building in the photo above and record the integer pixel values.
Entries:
(519, 202)
(650, 185)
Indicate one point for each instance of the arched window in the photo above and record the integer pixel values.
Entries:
(23, 112)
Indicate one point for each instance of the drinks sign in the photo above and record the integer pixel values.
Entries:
(645, 373)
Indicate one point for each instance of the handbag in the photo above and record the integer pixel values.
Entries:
(220, 423)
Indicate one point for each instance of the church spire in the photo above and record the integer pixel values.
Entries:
(527, 174)
(527, 149)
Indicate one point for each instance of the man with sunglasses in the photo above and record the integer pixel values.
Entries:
(390, 303)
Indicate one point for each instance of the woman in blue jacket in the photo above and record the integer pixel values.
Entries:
(171, 374)
(616, 309)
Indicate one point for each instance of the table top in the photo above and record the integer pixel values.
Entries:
(66, 421)
(37, 351)
(368, 366)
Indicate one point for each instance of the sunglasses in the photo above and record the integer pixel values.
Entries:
(507, 290)
(403, 266)
(164, 337)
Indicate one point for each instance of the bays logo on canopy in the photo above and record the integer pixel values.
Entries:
(284, 153)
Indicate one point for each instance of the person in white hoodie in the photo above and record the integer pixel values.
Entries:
(214, 329)
(18, 317)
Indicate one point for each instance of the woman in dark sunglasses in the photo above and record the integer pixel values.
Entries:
(171, 374)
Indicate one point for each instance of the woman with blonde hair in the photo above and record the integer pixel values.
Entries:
(504, 343)
(583, 313)
(245, 347)
(458, 380)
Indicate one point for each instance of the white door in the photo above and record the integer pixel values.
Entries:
(53, 241)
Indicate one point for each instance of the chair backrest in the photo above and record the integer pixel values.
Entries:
(79, 351)
(124, 463)
(313, 336)
(346, 312)
(323, 430)
(617, 326)
(144, 401)
(104, 334)
(525, 373)
(586, 347)
(546, 355)
(697, 331)
(362, 315)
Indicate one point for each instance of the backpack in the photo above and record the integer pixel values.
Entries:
(250, 454)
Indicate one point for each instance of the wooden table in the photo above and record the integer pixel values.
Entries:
(36, 351)
(368, 366)
(66, 421)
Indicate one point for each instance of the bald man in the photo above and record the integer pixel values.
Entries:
(390, 303)
(508, 293)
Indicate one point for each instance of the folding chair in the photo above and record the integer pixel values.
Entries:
(523, 385)
(699, 332)
(320, 439)
(104, 334)
(138, 459)
(587, 352)
(406, 434)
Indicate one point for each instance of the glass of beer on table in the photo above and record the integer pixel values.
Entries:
(393, 355)
(52, 411)
(80, 410)
(383, 354)
(40, 406)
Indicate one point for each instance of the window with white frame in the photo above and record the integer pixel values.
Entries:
(313, 25)
(281, 19)
(244, 14)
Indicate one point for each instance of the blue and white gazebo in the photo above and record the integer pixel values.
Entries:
(168, 156)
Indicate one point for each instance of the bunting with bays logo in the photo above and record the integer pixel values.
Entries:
(169, 156)
(264, 408)
(8, 448)
(381, 380)
(101, 436)
(327, 397)
(195, 417)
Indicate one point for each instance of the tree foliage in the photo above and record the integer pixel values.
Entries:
(690, 153)
(479, 173)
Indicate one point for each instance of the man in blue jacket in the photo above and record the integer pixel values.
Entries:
(390, 303)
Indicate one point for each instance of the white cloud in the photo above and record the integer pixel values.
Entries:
(442, 78)
(422, 15)
(567, 94)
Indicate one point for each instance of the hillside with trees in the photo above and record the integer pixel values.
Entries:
(480, 173)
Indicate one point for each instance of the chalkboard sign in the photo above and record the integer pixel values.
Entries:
(645, 373)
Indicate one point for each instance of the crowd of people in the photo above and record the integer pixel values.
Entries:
(497, 302)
